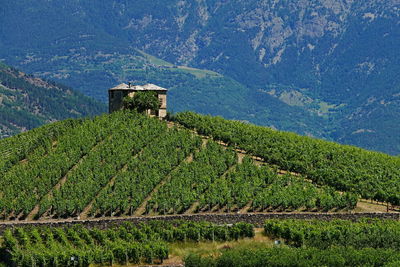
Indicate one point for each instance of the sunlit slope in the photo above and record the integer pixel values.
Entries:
(128, 164)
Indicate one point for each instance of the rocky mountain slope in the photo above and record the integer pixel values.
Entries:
(331, 62)
(27, 102)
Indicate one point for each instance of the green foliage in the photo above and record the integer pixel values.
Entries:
(210, 182)
(142, 101)
(325, 234)
(88, 154)
(319, 243)
(77, 245)
(370, 174)
(130, 134)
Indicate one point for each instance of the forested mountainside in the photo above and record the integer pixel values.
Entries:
(27, 102)
(129, 164)
(333, 64)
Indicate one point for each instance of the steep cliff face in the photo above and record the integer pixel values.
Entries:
(334, 59)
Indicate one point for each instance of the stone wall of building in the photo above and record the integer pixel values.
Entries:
(115, 100)
(162, 112)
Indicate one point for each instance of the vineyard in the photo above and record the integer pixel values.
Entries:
(281, 243)
(323, 234)
(289, 256)
(79, 246)
(371, 175)
(126, 164)
(315, 243)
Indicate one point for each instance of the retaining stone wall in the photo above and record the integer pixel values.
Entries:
(257, 219)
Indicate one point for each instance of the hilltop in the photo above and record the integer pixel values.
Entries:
(126, 164)
(27, 102)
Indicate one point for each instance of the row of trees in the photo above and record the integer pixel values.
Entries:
(78, 246)
(370, 174)
(368, 242)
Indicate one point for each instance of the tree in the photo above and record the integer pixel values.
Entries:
(142, 101)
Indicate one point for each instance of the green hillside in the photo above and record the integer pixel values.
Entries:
(27, 102)
(128, 164)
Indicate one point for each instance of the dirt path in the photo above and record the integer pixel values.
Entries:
(192, 208)
(366, 206)
(283, 172)
(246, 208)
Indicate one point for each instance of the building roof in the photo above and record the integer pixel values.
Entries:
(122, 86)
(146, 87)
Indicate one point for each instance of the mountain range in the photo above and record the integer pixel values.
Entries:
(326, 68)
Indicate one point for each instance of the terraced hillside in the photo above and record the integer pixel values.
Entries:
(126, 164)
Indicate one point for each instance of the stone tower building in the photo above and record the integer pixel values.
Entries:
(117, 94)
